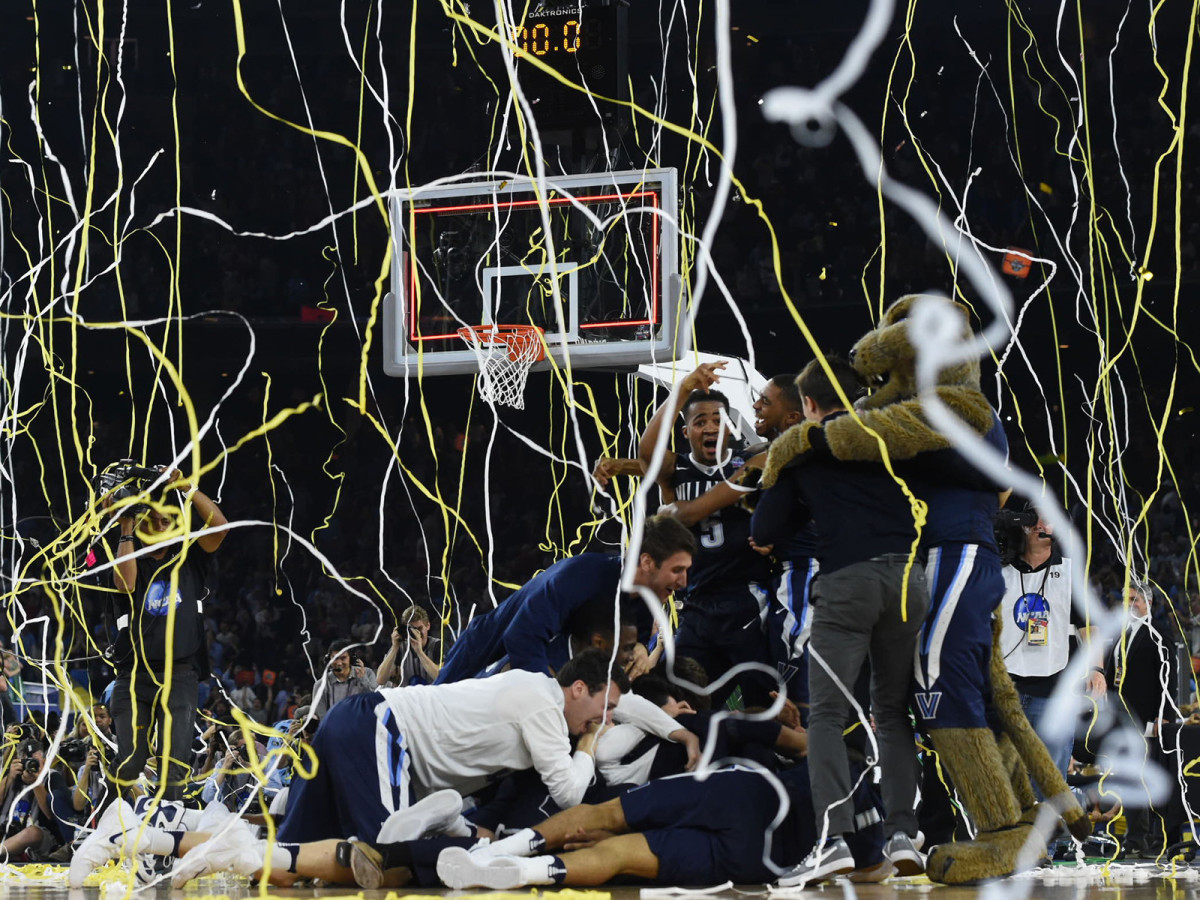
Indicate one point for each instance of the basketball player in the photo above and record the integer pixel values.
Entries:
(531, 629)
(726, 600)
(793, 556)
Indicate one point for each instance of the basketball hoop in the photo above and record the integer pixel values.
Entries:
(506, 353)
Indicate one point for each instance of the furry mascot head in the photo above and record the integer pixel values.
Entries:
(890, 416)
(990, 776)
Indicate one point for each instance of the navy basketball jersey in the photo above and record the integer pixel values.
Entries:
(961, 514)
(724, 558)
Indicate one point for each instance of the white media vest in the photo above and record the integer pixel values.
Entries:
(1043, 593)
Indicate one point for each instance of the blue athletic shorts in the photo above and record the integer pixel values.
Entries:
(707, 832)
(955, 644)
(361, 777)
(789, 615)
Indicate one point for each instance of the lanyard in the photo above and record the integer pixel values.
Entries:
(1041, 588)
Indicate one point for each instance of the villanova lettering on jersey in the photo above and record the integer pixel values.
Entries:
(159, 598)
(692, 490)
(928, 702)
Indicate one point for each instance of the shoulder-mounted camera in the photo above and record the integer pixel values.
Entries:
(125, 479)
(1009, 526)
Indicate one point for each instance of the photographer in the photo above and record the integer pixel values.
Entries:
(291, 734)
(89, 755)
(31, 828)
(417, 666)
(343, 679)
(231, 781)
(166, 589)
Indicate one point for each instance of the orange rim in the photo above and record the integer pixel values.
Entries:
(524, 342)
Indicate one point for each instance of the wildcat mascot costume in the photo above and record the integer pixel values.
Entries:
(970, 689)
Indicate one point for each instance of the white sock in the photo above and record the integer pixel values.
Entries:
(541, 870)
(525, 842)
(460, 828)
(283, 856)
(153, 840)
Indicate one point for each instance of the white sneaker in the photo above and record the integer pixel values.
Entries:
(116, 833)
(516, 843)
(231, 849)
(457, 868)
(430, 815)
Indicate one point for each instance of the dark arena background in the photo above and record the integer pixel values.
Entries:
(202, 222)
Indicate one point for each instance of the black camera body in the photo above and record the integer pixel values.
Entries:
(124, 479)
(30, 766)
(74, 752)
(1009, 525)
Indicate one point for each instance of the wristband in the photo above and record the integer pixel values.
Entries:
(187, 495)
(124, 538)
(1097, 669)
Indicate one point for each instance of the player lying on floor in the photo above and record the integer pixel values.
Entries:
(677, 830)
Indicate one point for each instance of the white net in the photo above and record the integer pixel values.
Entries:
(505, 358)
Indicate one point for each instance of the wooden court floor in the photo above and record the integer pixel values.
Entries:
(1064, 881)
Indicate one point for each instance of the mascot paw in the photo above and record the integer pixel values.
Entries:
(993, 854)
(1073, 816)
(965, 862)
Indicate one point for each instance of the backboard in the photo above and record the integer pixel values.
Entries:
(493, 252)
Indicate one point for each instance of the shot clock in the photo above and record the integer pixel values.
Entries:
(550, 38)
(586, 46)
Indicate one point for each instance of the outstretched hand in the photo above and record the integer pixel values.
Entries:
(702, 377)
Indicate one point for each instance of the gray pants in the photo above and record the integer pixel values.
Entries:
(858, 614)
(144, 692)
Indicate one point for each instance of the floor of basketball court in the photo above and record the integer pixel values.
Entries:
(1124, 881)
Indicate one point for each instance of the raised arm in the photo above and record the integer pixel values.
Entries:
(207, 511)
(125, 570)
(386, 668)
(702, 377)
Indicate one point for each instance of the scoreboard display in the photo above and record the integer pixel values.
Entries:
(587, 46)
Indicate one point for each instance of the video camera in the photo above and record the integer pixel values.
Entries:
(124, 479)
(1009, 525)
(74, 752)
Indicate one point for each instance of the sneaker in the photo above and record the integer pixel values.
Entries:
(829, 861)
(904, 853)
(150, 869)
(523, 842)
(213, 817)
(430, 815)
(366, 864)
(457, 869)
(118, 827)
(232, 849)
